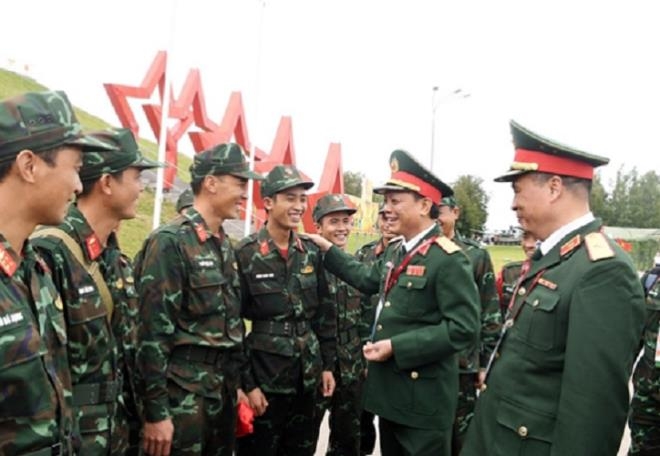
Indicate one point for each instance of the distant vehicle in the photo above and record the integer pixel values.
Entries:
(512, 236)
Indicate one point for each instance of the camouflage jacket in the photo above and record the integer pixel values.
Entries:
(35, 402)
(189, 297)
(102, 342)
(646, 378)
(507, 280)
(290, 297)
(369, 253)
(476, 357)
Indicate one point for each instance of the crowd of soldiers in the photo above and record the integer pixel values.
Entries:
(204, 346)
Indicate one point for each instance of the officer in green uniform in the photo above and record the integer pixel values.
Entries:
(184, 201)
(40, 155)
(558, 383)
(191, 333)
(291, 348)
(507, 278)
(428, 312)
(472, 362)
(368, 254)
(96, 283)
(644, 419)
(333, 218)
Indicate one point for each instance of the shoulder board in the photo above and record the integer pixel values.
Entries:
(570, 245)
(447, 244)
(598, 247)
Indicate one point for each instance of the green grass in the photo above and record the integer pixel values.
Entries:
(502, 254)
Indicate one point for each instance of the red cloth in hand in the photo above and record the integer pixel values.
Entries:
(244, 420)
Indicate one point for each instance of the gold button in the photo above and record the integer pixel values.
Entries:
(414, 375)
(387, 304)
(379, 327)
(522, 291)
(508, 323)
(535, 303)
(522, 431)
(483, 387)
(409, 285)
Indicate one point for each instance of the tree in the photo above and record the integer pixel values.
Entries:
(473, 201)
(353, 183)
(599, 200)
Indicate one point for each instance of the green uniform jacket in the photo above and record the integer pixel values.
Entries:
(430, 314)
(477, 356)
(294, 321)
(560, 384)
(189, 297)
(35, 384)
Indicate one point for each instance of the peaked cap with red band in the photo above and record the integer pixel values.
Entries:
(408, 174)
(535, 153)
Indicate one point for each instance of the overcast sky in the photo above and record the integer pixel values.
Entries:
(361, 73)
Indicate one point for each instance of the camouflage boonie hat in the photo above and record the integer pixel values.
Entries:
(282, 177)
(125, 155)
(226, 158)
(185, 199)
(41, 121)
(331, 203)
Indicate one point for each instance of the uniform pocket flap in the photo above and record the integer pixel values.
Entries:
(526, 423)
(542, 298)
(202, 278)
(412, 283)
(275, 345)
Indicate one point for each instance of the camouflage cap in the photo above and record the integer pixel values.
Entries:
(282, 177)
(125, 155)
(41, 121)
(185, 199)
(228, 158)
(330, 203)
(449, 201)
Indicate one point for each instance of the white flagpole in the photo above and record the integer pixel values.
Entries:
(250, 200)
(164, 115)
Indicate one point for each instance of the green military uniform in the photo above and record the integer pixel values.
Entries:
(185, 200)
(477, 356)
(644, 419)
(100, 312)
(293, 332)
(191, 333)
(559, 385)
(507, 281)
(35, 402)
(429, 311)
(345, 404)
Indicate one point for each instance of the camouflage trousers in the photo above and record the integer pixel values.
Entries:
(202, 426)
(644, 423)
(345, 407)
(104, 430)
(285, 429)
(367, 433)
(467, 398)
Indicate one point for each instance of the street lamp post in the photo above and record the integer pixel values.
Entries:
(458, 93)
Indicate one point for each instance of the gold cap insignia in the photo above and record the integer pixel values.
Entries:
(394, 165)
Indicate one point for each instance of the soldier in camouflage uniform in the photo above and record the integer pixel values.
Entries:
(369, 253)
(644, 417)
(472, 362)
(333, 218)
(191, 333)
(40, 155)
(507, 278)
(100, 308)
(291, 347)
(184, 201)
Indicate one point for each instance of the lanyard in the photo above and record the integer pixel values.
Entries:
(393, 275)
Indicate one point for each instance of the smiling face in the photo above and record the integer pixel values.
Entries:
(56, 184)
(229, 195)
(447, 219)
(407, 214)
(126, 188)
(285, 209)
(336, 227)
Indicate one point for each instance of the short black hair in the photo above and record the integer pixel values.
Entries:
(49, 156)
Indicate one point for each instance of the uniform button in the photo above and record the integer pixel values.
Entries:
(522, 291)
(379, 327)
(508, 323)
(522, 431)
(535, 303)
(414, 375)
(409, 284)
(387, 304)
(483, 387)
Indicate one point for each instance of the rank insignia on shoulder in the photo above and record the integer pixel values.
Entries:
(7, 263)
(93, 246)
(263, 248)
(59, 304)
(547, 283)
(597, 246)
(570, 245)
(447, 244)
(307, 269)
(416, 270)
(201, 232)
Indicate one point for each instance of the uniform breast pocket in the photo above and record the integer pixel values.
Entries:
(206, 287)
(411, 291)
(522, 432)
(268, 297)
(309, 290)
(537, 321)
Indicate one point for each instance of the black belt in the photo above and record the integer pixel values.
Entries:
(281, 328)
(344, 337)
(96, 393)
(202, 354)
(53, 450)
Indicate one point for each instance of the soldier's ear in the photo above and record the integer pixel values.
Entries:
(26, 165)
(268, 203)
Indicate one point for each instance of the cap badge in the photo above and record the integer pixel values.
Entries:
(394, 165)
